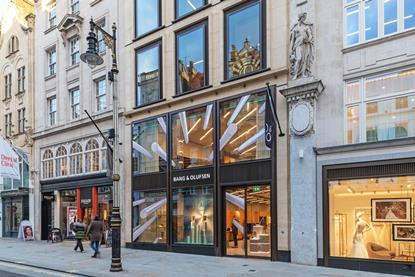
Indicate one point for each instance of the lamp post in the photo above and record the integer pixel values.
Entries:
(92, 58)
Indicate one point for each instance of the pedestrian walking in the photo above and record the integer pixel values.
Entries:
(79, 229)
(95, 232)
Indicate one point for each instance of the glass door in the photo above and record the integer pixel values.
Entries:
(248, 221)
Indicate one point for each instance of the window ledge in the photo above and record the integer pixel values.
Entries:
(246, 75)
(377, 41)
(149, 33)
(8, 99)
(11, 54)
(94, 2)
(47, 78)
(189, 14)
(20, 93)
(69, 68)
(192, 91)
(50, 29)
(149, 104)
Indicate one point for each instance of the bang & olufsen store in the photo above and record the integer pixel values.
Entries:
(203, 181)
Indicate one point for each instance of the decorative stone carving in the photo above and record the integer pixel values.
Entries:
(302, 48)
(68, 23)
(301, 97)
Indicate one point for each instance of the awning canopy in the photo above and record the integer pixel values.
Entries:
(9, 161)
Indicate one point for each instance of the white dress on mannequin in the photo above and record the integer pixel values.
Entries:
(359, 249)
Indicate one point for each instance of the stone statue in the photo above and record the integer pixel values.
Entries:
(302, 48)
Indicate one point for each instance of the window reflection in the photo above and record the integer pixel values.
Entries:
(149, 216)
(371, 19)
(186, 6)
(242, 122)
(148, 74)
(390, 16)
(193, 215)
(244, 41)
(191, 65)
(193, 138)
(352, 28)
(147, 16)
(409, 14)
(149, 146)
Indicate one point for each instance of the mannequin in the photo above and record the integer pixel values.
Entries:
(359, 249)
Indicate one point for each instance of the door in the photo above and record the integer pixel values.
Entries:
(248, 221)
(46, 218)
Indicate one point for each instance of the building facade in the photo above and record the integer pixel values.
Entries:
(16, 120)
(198, 176)
(70, 155)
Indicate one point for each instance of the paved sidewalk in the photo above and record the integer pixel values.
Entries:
(60, 256)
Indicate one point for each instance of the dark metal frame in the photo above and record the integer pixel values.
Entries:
(176, 10)
(218, 186)
(203, 23)
(396, 267)
(394, 234)
(160, 19)
(263, 36)
(402, 198)
(155, 43)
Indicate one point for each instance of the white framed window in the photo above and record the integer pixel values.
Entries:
(100, 37)
(74, 6)
(101, 94)
(104, 158)
(8, 86)
(74, 50)
(52, 111)
(366, 20)
(380, 107)
(75, 159)
(52, 15)
(47, 164)
(92, 156)
(21, 117)
(61, 162)
(8, 125)
(51, 56)
(21, 79)
(75, 103)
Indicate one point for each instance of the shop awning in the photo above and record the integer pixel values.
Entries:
(9, 161)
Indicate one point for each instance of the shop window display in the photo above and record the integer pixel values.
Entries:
(149, 216)
(372, 218)
(193, 138)
(242, 129)
(68, 212)
(149, 146)
(193, 215)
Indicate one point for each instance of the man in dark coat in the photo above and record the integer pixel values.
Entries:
(95, 232)
(79, 229)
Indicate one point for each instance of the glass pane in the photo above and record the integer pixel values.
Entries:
(146, 16)
(242, 123)
(367, 218)
(192, 138)
(244, 41)
(149, 146)
(148, 75)
(185, 6)
(191, 60)
(235, 221)
(390, 83)
(390, 16)
(390, 119)
(193, 215)
(371, 19)
(352, 92)
(149, 217)
(353, 126)
(352, 28)
(409, 14)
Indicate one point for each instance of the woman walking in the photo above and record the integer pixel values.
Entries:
(79, 229)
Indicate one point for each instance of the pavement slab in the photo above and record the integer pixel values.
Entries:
(63, 259)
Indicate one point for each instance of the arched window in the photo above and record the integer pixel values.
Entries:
(104, 156)
(61, 162)
(92, 156)
(75, 159)
(13, 45)
(47, 164)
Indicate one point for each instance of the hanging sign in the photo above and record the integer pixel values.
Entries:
(9, 161)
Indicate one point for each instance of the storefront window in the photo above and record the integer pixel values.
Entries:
(193, 215)
(47, 164)
(148, 74)
(193, 138)
(13, 214)
(92, 156)
(244, 40)
(68, 212)
(149, 216)
(105, 203)
(242, 128)
(191, 58)
(75, 159)
(149, 146)
(61, 162)
(372, 218)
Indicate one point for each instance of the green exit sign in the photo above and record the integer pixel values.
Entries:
(257, 189)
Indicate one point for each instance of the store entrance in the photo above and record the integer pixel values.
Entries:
(248, 221)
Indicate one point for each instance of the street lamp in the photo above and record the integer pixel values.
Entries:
(92, 58)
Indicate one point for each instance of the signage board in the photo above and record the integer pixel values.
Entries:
(202, 176)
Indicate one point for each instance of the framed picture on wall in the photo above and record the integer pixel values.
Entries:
(403, 232)
(391, 210)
